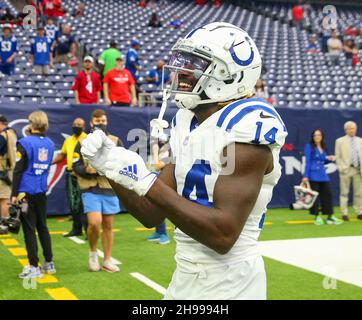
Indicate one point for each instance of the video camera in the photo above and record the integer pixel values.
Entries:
(15, 210)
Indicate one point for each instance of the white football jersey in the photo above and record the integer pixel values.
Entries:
(197, 151)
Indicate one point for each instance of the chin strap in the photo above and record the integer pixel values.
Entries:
(159, 124)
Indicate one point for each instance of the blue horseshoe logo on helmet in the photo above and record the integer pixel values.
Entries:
(237, 59)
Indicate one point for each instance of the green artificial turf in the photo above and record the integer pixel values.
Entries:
(157, 263)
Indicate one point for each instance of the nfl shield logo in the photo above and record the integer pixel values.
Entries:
(43, 154)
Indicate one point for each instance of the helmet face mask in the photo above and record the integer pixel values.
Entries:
(186, 69)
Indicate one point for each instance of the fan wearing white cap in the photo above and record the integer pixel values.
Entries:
(225, 144)
(8, 50)
(87, 84)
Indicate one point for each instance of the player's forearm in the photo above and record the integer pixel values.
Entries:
(140, 207)
(202, 223)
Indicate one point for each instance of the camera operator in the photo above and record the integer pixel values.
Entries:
(30, 177)
(73, 192)
(7, 165)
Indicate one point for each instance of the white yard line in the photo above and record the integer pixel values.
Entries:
(113, 260)
(337, 258)
(77, 240)
(148, 282)
(100, 252)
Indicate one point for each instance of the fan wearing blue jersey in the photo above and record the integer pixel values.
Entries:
(132, 60)
(8, 51)
(51, 30)
(41, 56)
(225, 144)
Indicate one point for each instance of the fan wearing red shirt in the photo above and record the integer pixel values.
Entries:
(48, 8)
(119, 86)
(297, 13)
(87, 85)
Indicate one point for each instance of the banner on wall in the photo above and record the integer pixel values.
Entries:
(132, 126)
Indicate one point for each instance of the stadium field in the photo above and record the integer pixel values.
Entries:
(146, 268)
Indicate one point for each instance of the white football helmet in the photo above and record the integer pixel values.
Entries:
(216, 62)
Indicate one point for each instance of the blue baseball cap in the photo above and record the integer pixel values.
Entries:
(135, 43)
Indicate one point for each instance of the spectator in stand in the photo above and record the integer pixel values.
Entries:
(200, 2)
(59, 11)
(176, 22)
(155, 21)
(313, 45)
(261, 91)
(143, 3)
(315, 173)
(298, 15)
(133, 64)
(47, 9)
(155, 74)
(8, 51)
(119, 86)
(355, 57)
(216, 3)
(335, 48)
(51, 30)
(79, 10)
(350, 31)
(66, 47)
(348, 51)
(41, 53)
(107, 59)
(87, 85)
(8, 17)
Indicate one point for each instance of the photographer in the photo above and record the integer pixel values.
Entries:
(30, 177)
(7, 165)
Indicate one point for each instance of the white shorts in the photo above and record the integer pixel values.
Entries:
(245, 280)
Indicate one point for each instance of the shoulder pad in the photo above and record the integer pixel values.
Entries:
(253, 121)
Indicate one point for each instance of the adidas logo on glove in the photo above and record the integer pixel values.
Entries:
(130, 172)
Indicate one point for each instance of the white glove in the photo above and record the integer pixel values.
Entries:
(95, 148)
(128, 169)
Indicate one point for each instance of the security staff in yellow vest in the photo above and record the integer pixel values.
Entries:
(99, 200)
(72, 188)
(7, 165)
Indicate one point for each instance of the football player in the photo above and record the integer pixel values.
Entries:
(225, 145)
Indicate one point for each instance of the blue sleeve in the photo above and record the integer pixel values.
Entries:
(32, 48)
(307, 153)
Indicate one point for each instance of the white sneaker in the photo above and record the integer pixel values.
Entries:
(110, 267)
(31, 272)
(93, 262)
